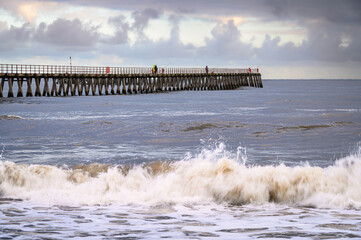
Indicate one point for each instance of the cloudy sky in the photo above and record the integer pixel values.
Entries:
(284, 38)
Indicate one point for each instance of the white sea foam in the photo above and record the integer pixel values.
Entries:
(331, 110)
(211, 176)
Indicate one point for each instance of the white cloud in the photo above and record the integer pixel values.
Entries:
(195, 31)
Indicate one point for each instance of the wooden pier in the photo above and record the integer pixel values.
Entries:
(55, 80)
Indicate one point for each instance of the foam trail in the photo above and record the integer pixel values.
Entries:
(211, 176)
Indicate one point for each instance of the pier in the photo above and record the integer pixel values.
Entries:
(18, 80)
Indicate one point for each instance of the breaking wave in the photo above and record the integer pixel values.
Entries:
(211, 176)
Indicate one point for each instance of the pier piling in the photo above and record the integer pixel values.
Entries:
(50, 80)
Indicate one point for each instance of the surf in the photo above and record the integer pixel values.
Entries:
(213, 175)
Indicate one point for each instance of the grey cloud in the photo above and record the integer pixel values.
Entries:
(142, 18)
(323, 44)
(333, 11)
(340, 11)
(15, 37)
(326, 21)
(67, 33)
(121, 32)
(226, 43)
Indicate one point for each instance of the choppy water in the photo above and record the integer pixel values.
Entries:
(279, 162)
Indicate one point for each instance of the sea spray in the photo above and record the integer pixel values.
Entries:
(213, 175)
(2, 150)
(241, 155)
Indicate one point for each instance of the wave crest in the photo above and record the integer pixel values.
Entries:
(212, 175)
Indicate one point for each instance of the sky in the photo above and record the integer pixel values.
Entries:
(285, 39)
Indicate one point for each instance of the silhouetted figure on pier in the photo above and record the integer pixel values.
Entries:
(155, 69)
(206, 69)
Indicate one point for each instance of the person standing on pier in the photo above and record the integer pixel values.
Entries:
(206, 69)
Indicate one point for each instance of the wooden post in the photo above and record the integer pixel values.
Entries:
(93, 85)
(195, 79)
(112, 85)
(118, 85)
(218, 82)
(233, 82)
(251, 80)
(54, 90)
(255, 80)
(170, 82)
(151, 84)
(238, 80)
(46, 90)
(141, 88)
(129, 85)
(10, 83)
(69, 86)
(20, 87)
(29, 91)
(199, 83)
(3, 83)
(260, 80)
(215, 83)
(135, 85)
(1, 86)
(145, 84)
(124, 91)
(185, 83)
(61, 86)
(77, 86)
(228, 82)
(83, 86)
(181, 84)
(100, 86)
(176, 82)
(161, 80)
(106, 85)
(72, 87)
(37, 84)
(203, 83)
(166, 83)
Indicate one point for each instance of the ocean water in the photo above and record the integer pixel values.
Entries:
(273, 163)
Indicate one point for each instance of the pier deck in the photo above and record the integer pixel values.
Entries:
(55, 80)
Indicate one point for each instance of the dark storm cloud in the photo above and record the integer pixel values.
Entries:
(67, 33)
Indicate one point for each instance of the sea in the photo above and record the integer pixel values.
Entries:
(279, 162)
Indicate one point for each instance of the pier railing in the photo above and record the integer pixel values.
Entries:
(55, 80)
(59, 69)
